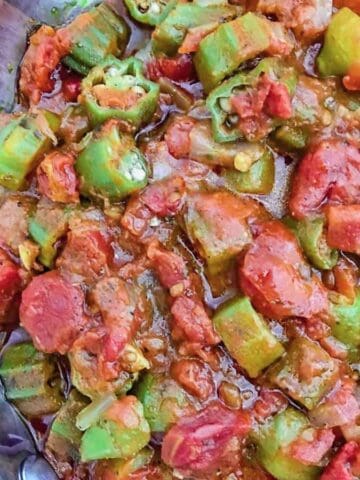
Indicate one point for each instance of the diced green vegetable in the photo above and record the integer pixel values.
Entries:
(272, 440)
(219, 100)
(220, 53)
(122, 469)
(64, 438)
(111, 166)
(31, 380)
(94, 35)
(311, 236)
(121, 432)
(46, 227)
(170, 33)
(259, 179)
(306, 372)
(247, 336)
(163, 399)
(341, 45)
(292, 138)
(118, 89)
(347, 326)
(22, 143)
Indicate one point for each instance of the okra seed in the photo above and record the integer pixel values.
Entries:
(243, 162)
(225, 104)
(154, 222)
(232, 120)
(137, 89)
(155, 8)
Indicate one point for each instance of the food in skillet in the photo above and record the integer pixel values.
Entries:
(180, 239)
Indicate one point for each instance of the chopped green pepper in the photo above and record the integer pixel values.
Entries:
(347, 326)
(232, 43)
(46, 227)
(310, 234)
(219, 100)
(31, 380)
(292, 138)
(22, 143)
(341, 45)
(247, 336)
(121, 432)
(150, 12)
(163, 399)
(64, 438)
(94, 35)
(111, 166)
(118, 89)
(170, 33)
(272, 440)
(306, 372)
(259, 179)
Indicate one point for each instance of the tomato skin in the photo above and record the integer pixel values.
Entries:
(200, 443)
(10, 285)
(165, 198)
(52, 312)
(170, 267)
(340, 467)
(195, 376)
(178, 68)
(344, 228)
(190, 317)
(273, 275)
(311, 452)
(177, 137)
(278, 101)
(87, 252)
(57, 178)
(328, 174)
(46, 49)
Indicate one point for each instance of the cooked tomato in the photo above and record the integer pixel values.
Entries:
(341, 467)
(179, 68)
(170, 267)
(10, 285)
(57, 179)
(178, 137)
(200, 443)
(329, 173)
(344, 228)
(276, 277)
(194, 376)
(52, 311)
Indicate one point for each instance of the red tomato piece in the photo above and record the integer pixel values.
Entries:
(200, 443)
(165, 198)
(179, 68)
(351, 81)
(346, 278)
(57, 178)
(169, 266)
(51, 311)
(270, 402)
(10, 285)
(191, 318)
(311, 451)
(340, 467)
(47, 47)
(195, 376)
(277, 279)
(353, 4)
(70, 84)
(328, 174)
(177, 136)
(136, 218)
(278, 102)
(344, 228)
(87, 253)
(195, 35)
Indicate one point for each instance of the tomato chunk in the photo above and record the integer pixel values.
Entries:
(179, 68)
(10, 285)
(46, 49)
(165, 198)
(344, 228)
(277, 279)
(177, 136)
(169, 266)
(195, 376)
(328, 174)
(87, 253)
(204, 441)
(57, 178)
(312, 449)
(341, 467)
(52, 312)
